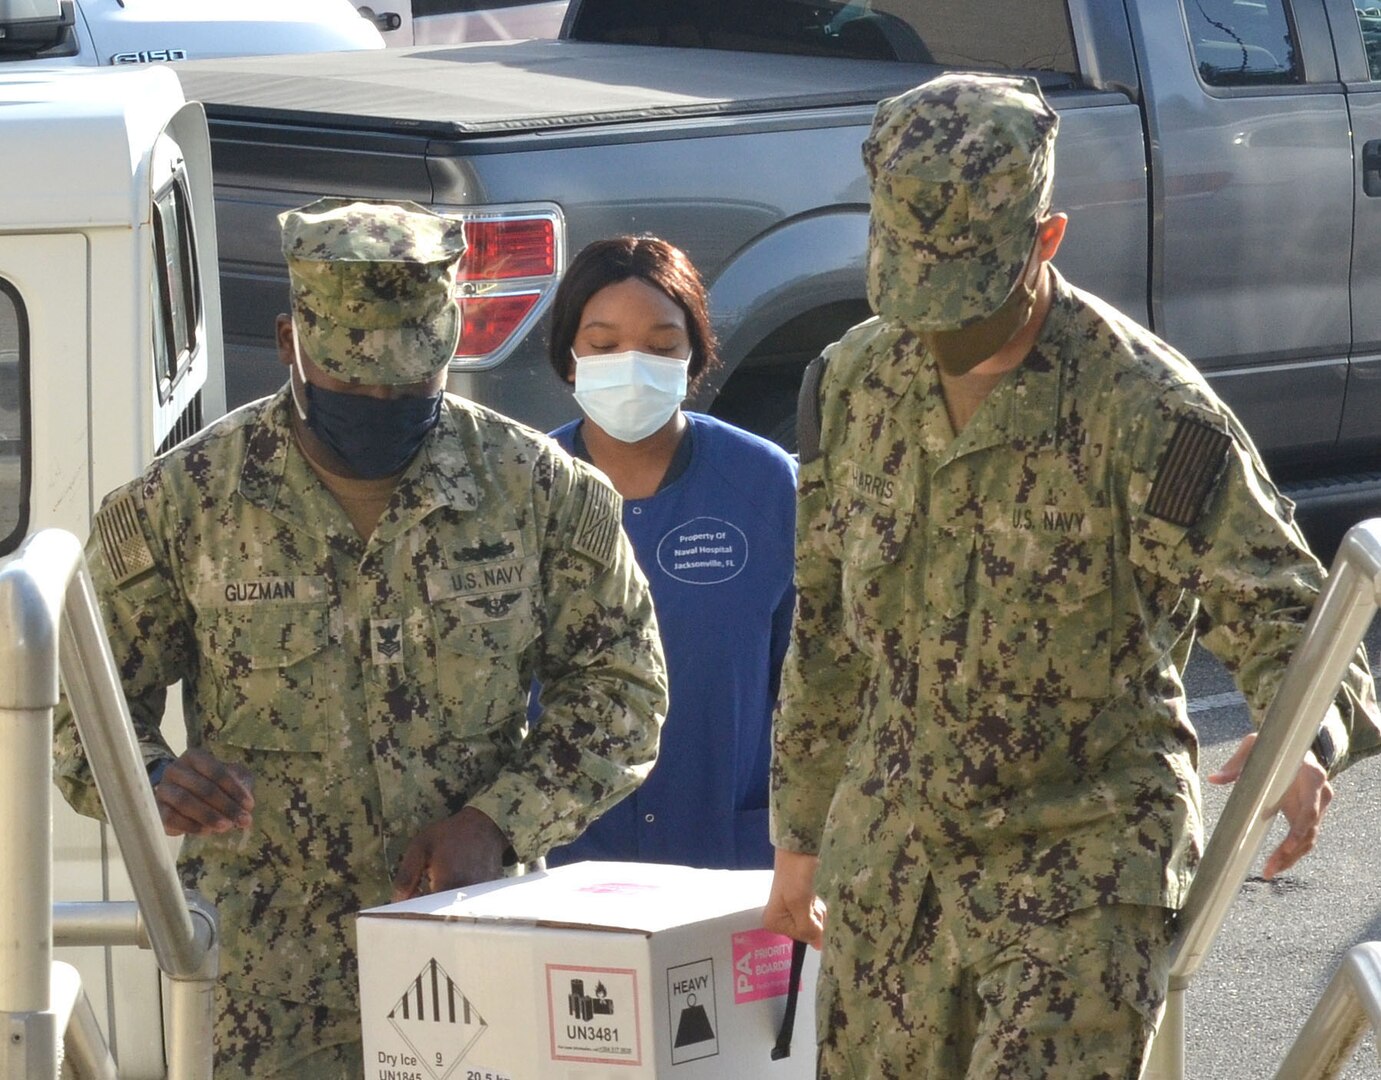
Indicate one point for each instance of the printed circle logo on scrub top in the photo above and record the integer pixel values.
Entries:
(703, 551)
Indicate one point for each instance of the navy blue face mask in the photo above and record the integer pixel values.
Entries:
(374, 437)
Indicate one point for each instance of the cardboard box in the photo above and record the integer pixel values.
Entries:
(616, 970)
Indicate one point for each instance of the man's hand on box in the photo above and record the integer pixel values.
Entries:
(464, 849)
(200, 795)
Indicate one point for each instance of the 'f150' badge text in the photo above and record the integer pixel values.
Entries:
(149, 56)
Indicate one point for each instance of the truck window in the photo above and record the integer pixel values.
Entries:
(178, 320)
(14, 420)
(1002, 34)
(1369, 19)
(1243, 42)
(1008, 34)
(421, 8)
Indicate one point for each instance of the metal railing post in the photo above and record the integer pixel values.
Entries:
(28, 692)
(1166, 1059)
(1337, 625)
(50, 622)
(26, 897)
(93, 689)
(192, 1002)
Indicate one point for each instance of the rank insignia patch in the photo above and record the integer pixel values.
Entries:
(386, 641)
(385, 638)
(1188, 472)
(123, 543)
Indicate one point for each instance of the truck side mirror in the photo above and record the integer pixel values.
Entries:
(34, 27)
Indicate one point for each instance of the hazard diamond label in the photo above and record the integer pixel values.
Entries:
(437, 1021)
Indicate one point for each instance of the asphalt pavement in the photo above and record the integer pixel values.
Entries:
(1282, 939)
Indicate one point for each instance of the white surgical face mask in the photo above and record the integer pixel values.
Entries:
(630, 395)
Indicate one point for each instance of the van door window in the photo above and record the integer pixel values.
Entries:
(1369, 20)
(14, 420)
(1243, 42)
(177, 325)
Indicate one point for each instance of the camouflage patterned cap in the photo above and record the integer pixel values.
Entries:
(961, 169)
(373, 287)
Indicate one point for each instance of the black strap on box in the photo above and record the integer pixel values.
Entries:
(798, 962)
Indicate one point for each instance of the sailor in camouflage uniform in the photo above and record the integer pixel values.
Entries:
(356, 581)
(1019, 508)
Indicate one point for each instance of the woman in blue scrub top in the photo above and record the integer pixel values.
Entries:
(710, 510)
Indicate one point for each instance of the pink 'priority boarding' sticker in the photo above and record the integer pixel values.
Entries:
(762, 965)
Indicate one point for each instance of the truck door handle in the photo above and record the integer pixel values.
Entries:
(1371, 167)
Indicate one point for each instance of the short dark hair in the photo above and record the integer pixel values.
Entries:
(649, 259)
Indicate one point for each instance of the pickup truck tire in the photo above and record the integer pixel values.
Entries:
(760, 395)
(763, 401)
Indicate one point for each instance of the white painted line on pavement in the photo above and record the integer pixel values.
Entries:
(1216, 701)
(1233, 698)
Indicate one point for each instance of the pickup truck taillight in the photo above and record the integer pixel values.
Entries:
(506, 279)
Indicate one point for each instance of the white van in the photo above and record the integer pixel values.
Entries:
(110, 352)
(83, 33)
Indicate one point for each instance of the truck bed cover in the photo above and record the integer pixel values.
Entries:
(500, 87)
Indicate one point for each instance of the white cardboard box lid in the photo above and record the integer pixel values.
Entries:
(638, 897)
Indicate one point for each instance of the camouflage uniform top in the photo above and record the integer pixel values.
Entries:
(984, 681)
(373, 688)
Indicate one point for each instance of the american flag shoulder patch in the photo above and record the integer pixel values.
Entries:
(598, 522)
(1189, 471)
(123, 543)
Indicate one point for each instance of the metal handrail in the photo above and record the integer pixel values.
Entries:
(1352, 1000)
(112, 749)
(50, 623)
(1337, 625)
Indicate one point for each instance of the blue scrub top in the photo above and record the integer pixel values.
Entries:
(717, 546)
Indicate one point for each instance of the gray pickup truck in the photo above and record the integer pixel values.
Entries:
(1220, 160)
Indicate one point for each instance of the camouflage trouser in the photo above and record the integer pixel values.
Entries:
(1077, 998)
(259, 1038)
